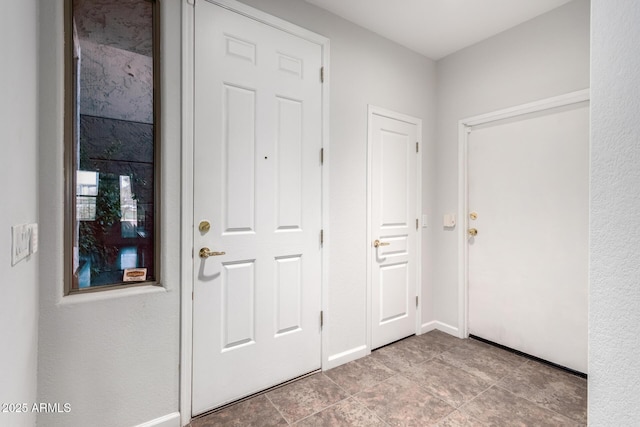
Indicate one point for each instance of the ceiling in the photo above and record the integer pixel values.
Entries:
(437, 28)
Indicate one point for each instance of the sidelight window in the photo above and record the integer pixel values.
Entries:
(111, 152)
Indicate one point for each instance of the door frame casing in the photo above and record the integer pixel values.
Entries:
(371, 111)
(464, 129)
(187, 179)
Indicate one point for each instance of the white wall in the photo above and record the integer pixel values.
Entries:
(113, 355)
(614, 347)
(365, 69)
(19, 196)
(541, 58)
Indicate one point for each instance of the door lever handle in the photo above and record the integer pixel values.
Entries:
(377, 243)
(206, 253)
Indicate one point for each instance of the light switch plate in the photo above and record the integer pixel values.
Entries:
(20, 243)
(34, 237)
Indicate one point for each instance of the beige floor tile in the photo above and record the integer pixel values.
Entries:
(450, 384)
(306, 397)
(400, 402)
(550, 388)
(479, 359)
(253, 412)
(458, 419)
(345, 413)
(501, 408)
(355, 376)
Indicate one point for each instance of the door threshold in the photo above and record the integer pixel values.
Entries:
(529, 356)
(251, 396)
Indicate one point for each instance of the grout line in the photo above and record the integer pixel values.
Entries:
(286, 420)
(539, 405)
(349, 395)
(413, 381)
(471, 400)
(256, 394)
(324, 409)
(472, 418)
(372, 413)
(336, 384)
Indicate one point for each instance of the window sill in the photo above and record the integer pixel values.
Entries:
(88, 297)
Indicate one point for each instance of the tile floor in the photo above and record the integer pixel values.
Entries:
(428, 380)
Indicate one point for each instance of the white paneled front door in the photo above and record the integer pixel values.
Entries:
(257, 207)
(528, 180)
(394, 196)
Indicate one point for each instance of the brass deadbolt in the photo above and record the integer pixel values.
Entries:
(473, 232)
(204, 226)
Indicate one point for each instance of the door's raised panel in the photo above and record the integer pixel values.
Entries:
(289, 164)
(288, 294)
(238, 304)
(394, 185)
(398, 246)
(239, 146)
(290, 65)
(394, 288)
(240, 49)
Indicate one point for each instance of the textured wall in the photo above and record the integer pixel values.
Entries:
(19, 195)
(544, 57)
(614, 347)
(121, 88)
(117, 23)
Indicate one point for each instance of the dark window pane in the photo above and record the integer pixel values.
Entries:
(113, 141)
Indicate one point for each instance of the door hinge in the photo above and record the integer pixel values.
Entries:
(417, 147)
(417, 224)
(322, 156)
(321, 319)
(416, 301)
(321, 237)
(321, 74)
(191, 295)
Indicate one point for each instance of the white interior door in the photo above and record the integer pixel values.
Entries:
(528, 263)
(394, 197)
(257, 182)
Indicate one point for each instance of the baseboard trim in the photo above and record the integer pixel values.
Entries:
(169, 420)
(345, 357)
(443, 327)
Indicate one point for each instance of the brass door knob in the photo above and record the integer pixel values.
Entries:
(377, 243)
(206, 253)
(473, 232)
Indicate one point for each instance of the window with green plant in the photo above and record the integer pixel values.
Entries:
(111, 153)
